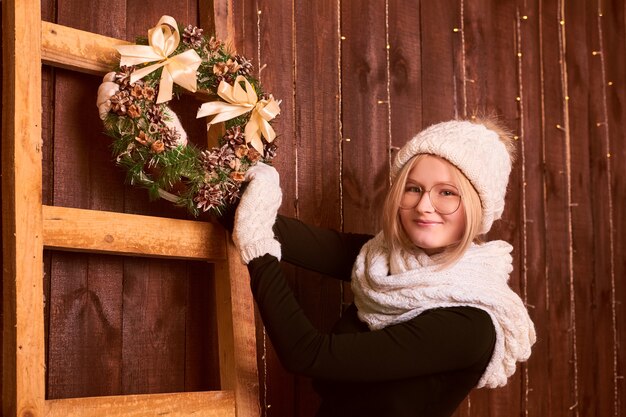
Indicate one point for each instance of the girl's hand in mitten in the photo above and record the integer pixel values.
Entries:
(256, 214)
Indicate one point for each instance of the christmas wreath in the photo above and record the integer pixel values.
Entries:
(149, 140)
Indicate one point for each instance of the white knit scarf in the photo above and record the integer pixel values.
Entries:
(394, 287)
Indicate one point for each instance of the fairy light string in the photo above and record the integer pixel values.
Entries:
(463, 56)
(609, 191)
(521, 138)
(388, 101)
(266, 405)
(297, 132)
(340, 39)
(568, 178)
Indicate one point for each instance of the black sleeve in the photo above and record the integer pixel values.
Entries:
(437, 341)
(321, 250)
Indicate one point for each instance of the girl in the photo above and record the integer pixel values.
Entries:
(433, 315)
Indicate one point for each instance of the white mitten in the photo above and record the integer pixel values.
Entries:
(256, 214)
(109, 87)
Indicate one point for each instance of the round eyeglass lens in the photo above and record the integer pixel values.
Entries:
(445, 198)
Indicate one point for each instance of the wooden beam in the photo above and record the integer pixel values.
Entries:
(78, 50)
(236, 332)
(23, 367)
(205, 404)
(130, 234)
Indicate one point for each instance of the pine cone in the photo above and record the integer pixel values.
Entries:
(270, 151)
(209, 196)
(122, 77)
(215, 44)
(155, 114)
(192, 36)
(245, 66)
(217, 158)
(234, 136)
(169, 136)
(120, 102)
(231, 192)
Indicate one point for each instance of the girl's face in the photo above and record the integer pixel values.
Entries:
(425, 227)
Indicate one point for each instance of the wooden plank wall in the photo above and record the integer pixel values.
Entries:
(357, 80)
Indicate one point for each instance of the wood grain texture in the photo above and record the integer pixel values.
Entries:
(532, 263)
(405, 74)
(209, 404)
(23, 361)
(560, 372)
(604, 34)
(440, 53)
(317, 137)
(365, 122)
(489, 30)
(590, 342)
(85, 305)
(237, 342)
(78, 50)
(131, 234)
(613, 21)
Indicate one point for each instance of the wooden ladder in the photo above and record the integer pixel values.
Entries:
(29, 227)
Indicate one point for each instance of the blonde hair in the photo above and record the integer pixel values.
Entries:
(396, 237)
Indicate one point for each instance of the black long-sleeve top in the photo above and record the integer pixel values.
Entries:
(420, 368)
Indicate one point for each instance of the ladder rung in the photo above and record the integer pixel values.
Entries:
(131, 234)
(206, 404)
(74, 49)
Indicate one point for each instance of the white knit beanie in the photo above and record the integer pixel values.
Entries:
(476, 151)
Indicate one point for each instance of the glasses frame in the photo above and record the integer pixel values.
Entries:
(425, 192)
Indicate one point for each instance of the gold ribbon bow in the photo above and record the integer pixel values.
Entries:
(163, 40)
(240, 100)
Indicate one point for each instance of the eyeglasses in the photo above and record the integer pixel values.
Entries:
(445, 198)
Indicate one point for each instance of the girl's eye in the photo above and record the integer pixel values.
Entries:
(448, 193)
(413, 189)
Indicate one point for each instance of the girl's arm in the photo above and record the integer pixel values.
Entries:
(439, 340)
(317, 249)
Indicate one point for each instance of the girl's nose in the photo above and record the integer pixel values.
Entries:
(424, 205)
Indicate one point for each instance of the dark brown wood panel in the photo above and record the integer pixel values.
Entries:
(365, 172)
(405, 75)
(531, 240)
(316, 138)
(201, 353)
(153, 357)
(491, 85)
(558, 275)
(440, 44)
(579, 74)
(275, 54)
(85, 347)
(613, 23)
